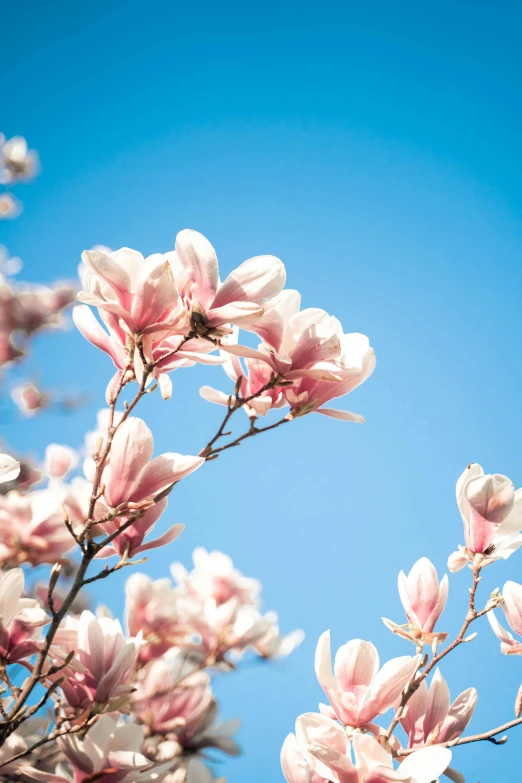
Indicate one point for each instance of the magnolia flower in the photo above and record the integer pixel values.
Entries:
(423, 599)
(212, 304)
(221, 628)
(491, 511)
(134, 483)
(215, 577)
(296, 768)
(431, 718)
(328, 752)
(100, 673)
(32, 527)
(59, 460)
(359, 691)
(152, 608)
(17, 163)
(109, 751)
(166, 706)
(9, 468)
(309, 348)
(139, 291)
(20, 619)
(512, 606)
(29, 399)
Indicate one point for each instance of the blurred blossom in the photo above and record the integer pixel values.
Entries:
(10, 207)
(9, 468)
(9, 265)
(59, 460)
(17, 162)
(29, 399)
(214, 576)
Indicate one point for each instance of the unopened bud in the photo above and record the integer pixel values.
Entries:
(518, 703)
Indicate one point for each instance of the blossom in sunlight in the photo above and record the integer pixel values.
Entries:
(328, 751)
(491, 511)
(109, 751)
(29, 399)
(21, 618)
(309, 348)
(431, 718)
(423, 599)
(294, 764)
(99, 675)
(358, 690)
(512, 606)
(134, 483)
(215, 577)
(32, 527)
(10, 207)
(9, 265)
(152, 608)
(17, 162)
(239, 299)
(9, 468)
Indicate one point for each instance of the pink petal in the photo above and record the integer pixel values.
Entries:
(130, 453)
(255, 280)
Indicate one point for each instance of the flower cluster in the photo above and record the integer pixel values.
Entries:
(343, 743)
(169, 311)
(28, 309)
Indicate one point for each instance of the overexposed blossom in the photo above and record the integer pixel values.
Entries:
(17, 162)
(9, 468)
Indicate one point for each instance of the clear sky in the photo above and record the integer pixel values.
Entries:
(375, 148)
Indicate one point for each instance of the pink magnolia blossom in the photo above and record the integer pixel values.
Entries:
(17, 162)
(152, 607)
(134, 482)
(309, 348)
(109, 751)
(212, 304)
(9, 468)
(32, 527)
(59, 460)
(358, 691)
(329, 753)
(491, 511)
(294, 764)
(512, 606)
(215, 577)
(423, 599)
(431, 718)
(29, 399)
(99, 676)
(166, 706)
(139, 292)
(21, 619)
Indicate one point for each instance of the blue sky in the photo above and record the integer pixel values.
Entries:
(374, 148)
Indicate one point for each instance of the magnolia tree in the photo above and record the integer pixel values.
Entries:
(84, 699)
